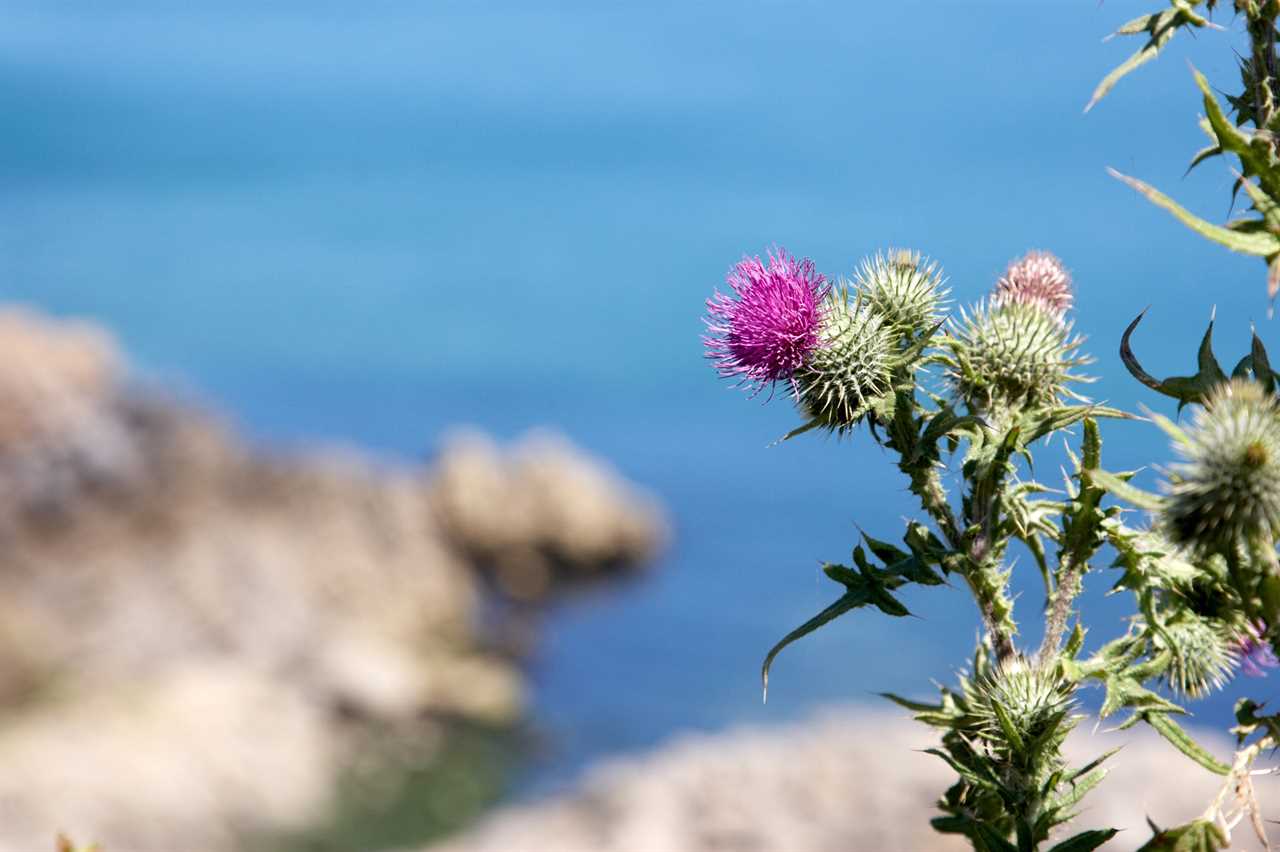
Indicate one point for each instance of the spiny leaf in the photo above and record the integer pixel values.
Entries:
(1256, 161)
(1086, 841)
(1261, 365)
(852, 599)
(1185, 389)
(992, 839)
(1183, 742)
(1200, 836)
(1260, 244)
(1160, 28)
(914, 706)
(1125, 491)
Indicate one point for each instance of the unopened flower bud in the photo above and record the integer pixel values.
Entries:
(1011, 354)
(1038, 279)
(1202, 656)
(850, 370)
(1227, 489)
(905, 290)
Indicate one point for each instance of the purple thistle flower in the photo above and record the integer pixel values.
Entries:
(1255, 652)
(765, 331)
(1038, 279)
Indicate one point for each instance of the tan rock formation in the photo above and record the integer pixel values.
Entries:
(196, 638)
(845, 781)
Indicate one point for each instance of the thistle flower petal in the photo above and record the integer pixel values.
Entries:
(1037, 279)
(1254, 653)
(765, 331)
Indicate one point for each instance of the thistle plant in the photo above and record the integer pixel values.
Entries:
(964, 398)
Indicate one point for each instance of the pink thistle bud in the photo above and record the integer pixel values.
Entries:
(1037, 279)
(767, 329)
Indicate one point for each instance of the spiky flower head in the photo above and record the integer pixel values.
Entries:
(1226, 491)
(903, 288)
(765, 331)
(1035, 702)
(851, 369)
(1202, 655)
(1013, 355)
(1254, 652)
(1037, 279)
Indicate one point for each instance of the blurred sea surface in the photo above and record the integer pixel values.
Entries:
(368, 223)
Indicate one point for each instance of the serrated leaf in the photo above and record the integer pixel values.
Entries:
(884, 551)
(1185, 389)
(994, 840)
(1260, 244)
(1261, 365)
(1160, 27)
(1256, 161)
(1117, 486)
(853, 599)
(913, 706)
(1200, 836)
(1183, 742)
(1081, 788)
(1086, 841)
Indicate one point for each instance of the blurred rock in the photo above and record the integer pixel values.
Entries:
(845, 780)
(196, 640)
(198, 759)
(541, 516)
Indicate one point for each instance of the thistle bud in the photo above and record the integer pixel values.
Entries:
(903, 289)
(1227, 489)
(1034, 702)
(1011, 354)
(851, 368)
(1202, 655)
(1037, 279)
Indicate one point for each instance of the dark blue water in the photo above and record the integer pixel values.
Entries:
(368, 222)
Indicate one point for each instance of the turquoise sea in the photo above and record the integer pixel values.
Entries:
(368, 222)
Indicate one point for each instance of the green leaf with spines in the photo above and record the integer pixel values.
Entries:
(1160, 27)
(1086, 841)
(1185, 389)
(1254, 155)
(1202, 835)
(853, 599)
(1118, 485)
(1260, 244)
(1184, 743)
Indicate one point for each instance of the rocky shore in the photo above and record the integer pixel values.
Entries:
(846, 780)
(201, 646)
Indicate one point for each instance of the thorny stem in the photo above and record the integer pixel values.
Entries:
(927, 485)
(1069, 585)
(1262, 36)
(1235, 571)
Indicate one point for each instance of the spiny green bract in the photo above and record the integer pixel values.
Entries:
(851, 370)
(1201, 655)
(1031, 701)
(904, 289)
(1226, 492)
(1011, 356)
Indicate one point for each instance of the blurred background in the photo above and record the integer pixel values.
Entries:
(299, 226)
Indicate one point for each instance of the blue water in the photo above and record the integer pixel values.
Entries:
(369, 222)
